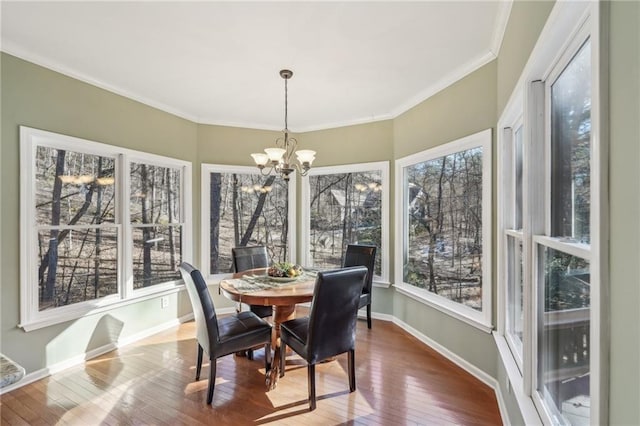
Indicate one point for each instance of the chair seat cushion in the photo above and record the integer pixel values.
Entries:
(238, 332)
(294, 333)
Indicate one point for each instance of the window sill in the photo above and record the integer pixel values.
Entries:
(86, 311)
(418, 295)
(382, 284)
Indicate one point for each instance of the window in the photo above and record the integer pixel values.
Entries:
(346, 205)
(241, 207)
(562, 253)
(76, 255)
(444, 234)
(551, 258)
(513, 237)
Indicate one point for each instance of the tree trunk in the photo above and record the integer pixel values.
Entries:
(436, 230)
(256, 213)
(236, 219)
(52, 253)
(214, 222)
(346, 223)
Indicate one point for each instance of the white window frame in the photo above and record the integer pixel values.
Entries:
(479, 319)
(31, 318)
(568, 26)
(205, 182)
(381, 280)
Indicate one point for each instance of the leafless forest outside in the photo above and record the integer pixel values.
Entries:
(445, 226)
(247, 209)
(77, 231)
(345, 208)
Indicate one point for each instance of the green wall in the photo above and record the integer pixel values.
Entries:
(624, 187)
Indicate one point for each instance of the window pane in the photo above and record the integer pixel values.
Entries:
(515, 291)
(444, 248)
(245, 210)
(156, 255)
(76, 265)
(73, 188)
(570, 149)
(564, 347)
(346, 208)
(155, 194)
(518, 160)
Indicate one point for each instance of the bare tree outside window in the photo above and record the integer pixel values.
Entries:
(444, 253)
(156, 223)
(345, 208)
(246, 209)
(77, 237)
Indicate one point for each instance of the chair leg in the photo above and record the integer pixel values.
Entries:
(352, 370)
(212, 380)
(311, 371)
(199, 362)
(267, 356)
(283, 355)
(250, 354)
(369, 316)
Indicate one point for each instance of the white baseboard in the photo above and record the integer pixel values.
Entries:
(79, 359)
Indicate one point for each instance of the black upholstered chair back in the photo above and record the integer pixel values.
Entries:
(362, 255)
(245, 258)
(332, 320)
(202, 304)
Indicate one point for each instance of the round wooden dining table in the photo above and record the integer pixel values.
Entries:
(283, 297)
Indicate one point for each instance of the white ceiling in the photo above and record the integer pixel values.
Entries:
(218, 62)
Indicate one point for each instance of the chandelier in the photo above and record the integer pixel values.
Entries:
(278, 159)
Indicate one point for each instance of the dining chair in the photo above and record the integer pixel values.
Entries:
(363, 255)
(245, 258)
(330, 328)
(224, 336)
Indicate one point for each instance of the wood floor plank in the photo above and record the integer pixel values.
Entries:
(151, 382)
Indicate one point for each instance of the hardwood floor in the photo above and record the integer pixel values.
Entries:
(399, 381)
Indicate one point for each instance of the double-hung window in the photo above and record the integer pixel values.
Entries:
(241, 207)
(344, 205)
(100, 225)
(550, 254)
